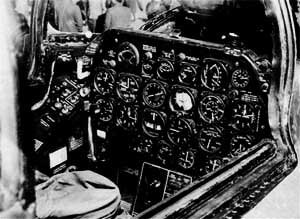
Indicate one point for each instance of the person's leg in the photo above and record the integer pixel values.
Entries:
(92, 24)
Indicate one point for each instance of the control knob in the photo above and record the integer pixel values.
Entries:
(148, 56)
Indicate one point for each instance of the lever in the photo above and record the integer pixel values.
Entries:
(91, 155)
(80, 73)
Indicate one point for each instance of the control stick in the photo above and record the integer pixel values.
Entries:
(91, 154)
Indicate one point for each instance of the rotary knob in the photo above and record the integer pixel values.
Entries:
(182, 56)
(148, 56)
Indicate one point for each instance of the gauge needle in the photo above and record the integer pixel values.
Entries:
(215, 164)
(174, 130)
(105, 78)
(131, 117)
(208, 143)
(123, 85)
(154, 95)
(215, 82)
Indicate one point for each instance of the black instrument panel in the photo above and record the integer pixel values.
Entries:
(160, 108)
(178, 99)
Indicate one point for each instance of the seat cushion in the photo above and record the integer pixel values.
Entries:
(80, 194)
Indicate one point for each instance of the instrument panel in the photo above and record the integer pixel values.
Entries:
(180, 106)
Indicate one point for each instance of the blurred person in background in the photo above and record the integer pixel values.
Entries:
(170, 4)
(20, 38)
(118, 15)
(24, 7)
(100, 22)
(68, 16)
(154, 7)
(83, 6)
(95, 9)
(133, 5)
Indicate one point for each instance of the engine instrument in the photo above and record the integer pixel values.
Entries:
(165, 69)
(211, 139)
(127, 87)
(240, 78)
(211, 108)
(244, 116)
(153, 122)
(187, 159)
(103, 109)
(127, 117)
(154, 94)
(180, 131)
(187, 74)
(240, 143)
(128, 55)
(104, 81)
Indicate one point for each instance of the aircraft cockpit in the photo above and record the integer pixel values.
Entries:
(188, 115)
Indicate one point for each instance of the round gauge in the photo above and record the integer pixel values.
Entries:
(186, 159)
(180, 131)
(104, 81)
(243, 116)
(153, 122)
(187, 74)
(165, 152)
(211, 108)
(210, 139)
(128, 55)
(144, 146)
(104, 110)
(154, 94)
(181, 100)
(240, 143)
(127, 88)
(127, 117)
(148, 67)
(214, 75)
(165, 69)
(240, 78)
(213, 164)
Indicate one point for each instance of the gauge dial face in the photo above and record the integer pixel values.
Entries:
(127, 117)
(127, 88)
(187, 74)
(213, 164)
(104, 110)
(180, 131)
(240, 78)
(153, 122)
(148, 67)
(240, 143)
(211, 108)
(165, 69)
(154, 94)
(104, 81)
(214, 75)
(128, 55)
(210, 139)
(243, 117)
(186, 159)
(165, 152)
(181, 100)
